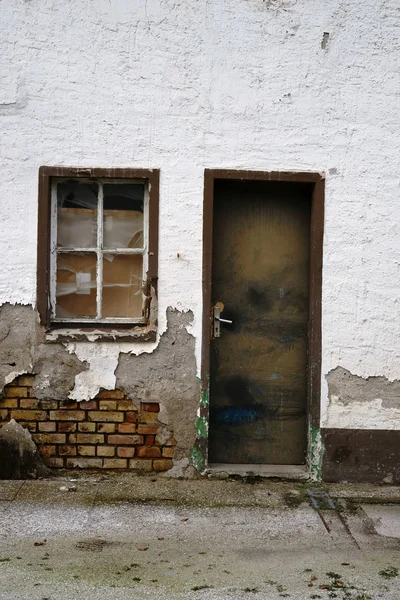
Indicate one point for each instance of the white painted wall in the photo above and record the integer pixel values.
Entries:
(186, 84)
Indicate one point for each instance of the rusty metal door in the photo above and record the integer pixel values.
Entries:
(260, 282)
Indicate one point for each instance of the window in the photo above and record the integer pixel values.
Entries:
(97, 255)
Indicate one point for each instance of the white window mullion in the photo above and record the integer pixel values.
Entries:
(99, 269)
(145, 250)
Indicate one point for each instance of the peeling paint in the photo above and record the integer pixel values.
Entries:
(167, 376)
(362, 403)
(23, 349)
(101, 372)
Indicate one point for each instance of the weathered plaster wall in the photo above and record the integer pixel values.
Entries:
(188, 84)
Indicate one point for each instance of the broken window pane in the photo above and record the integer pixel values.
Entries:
(76, 285)
(123, 215)
(76, 215)
(122, 286)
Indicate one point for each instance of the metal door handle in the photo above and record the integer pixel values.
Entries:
(217, 320)
(223, 320)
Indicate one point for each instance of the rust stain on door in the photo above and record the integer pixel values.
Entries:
(258, 384)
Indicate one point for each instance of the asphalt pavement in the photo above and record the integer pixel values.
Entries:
(142, 537)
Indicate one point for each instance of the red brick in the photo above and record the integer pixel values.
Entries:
(162, 464)
(149, 440)
(127, 428)
(105, 451)
(86, 438)
(111, 394)
(47, 426)
(87, 450)
(16, 392)
(47, 404)
(148, 417)
(126, 405)
(88, 405)
(125, 440)
(47, 450)
(106, 427)
(67, 450)
(115, 463)
(168, 452)
(84, 463)
(28, 403)
(66, 426)
(148, 452)
(106, 416)
(141, 465)
(29, 426)
(87, 427)
(108, 405)
(67, 415)
(126, 452)
(29, 415)
(9, 403)
(57, 463)
(148, 429)
(150, 407)
(131, 417)
(49, 438)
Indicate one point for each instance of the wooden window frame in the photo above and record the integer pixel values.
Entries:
(114, 329)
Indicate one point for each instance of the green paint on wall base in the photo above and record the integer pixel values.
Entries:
(197, 458)
(316, 453)
(204, 398)
(201, 428)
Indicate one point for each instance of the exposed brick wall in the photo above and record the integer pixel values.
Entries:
(108, 432)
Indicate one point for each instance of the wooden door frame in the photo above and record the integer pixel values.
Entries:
(316, 249)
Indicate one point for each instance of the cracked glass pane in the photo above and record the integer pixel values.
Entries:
(122, 286)
(76, 285)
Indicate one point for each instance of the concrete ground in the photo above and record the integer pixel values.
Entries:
(127, 536)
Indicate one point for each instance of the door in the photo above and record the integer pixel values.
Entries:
(260, 288)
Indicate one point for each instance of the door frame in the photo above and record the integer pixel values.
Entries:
(314, 322)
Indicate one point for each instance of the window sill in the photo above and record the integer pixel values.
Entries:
(146, 333)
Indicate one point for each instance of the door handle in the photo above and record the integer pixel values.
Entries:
(217, 320)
